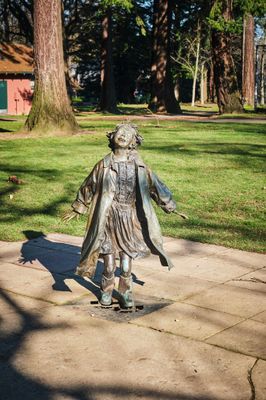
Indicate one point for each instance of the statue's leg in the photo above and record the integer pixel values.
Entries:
(108, 279)
(125, 281)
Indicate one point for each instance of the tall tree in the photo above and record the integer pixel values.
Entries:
(51, 110)
(132, 55)
(108, 94)
(162, 88)
(248, 73)
(228, 95)
(249, 9)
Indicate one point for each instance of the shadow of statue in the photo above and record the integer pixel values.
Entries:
(61, 260)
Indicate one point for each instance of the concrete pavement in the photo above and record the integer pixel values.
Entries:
(199, 331)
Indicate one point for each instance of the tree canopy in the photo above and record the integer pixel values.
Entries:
(180, 40)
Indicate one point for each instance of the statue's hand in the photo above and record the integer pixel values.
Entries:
(69, 215)
(169, 207)
(182, 215)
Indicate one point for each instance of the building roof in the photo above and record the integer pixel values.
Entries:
(16, 58)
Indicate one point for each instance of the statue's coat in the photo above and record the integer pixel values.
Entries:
(96, 195)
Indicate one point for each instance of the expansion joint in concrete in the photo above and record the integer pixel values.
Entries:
(218, 346)
(250, 380)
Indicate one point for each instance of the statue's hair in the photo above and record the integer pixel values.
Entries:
(137, 137)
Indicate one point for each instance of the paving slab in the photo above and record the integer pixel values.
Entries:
(68, 351)
(247, 337)
(44, 285)
(182, 247)
(72, 246)
(11, 303)
(187, 320)
(244, 258)
(42, 254)
(258, 379)
(255, 281)
(48, 260)
(15, 309)
(61, 237)
(209, 268)
(72, 354)
(10, 251)
(261, 317)
(171, 286)
(150, 264)
(231, 300)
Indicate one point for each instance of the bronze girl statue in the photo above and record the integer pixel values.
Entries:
(122, 223)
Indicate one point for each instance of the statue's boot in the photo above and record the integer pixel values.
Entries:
(125, 292)
(108, 280)
(107, 286)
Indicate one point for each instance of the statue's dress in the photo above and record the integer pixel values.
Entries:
(123, 230)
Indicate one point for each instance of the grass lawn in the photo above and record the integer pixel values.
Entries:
(215, 172)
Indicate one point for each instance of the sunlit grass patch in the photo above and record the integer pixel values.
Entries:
(215, 171)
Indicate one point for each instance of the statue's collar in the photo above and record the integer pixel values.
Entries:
(109, 159)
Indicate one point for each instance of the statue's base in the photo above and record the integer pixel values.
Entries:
(116, 307)
(143, 305)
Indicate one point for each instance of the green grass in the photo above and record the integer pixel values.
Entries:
(215, 172)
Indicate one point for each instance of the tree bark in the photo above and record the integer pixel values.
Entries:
(51, 111)
(211, 95)
(262, 66)
(195, 73)
(203, 84)
(248, 74)
(108, 95)
(228, 96)
(162, 87)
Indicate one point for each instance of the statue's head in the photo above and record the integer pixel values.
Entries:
(125, 136)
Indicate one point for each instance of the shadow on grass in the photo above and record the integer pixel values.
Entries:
(14, 169)
(17, 211)
(244, 149)
(5, 130)
(205, 235)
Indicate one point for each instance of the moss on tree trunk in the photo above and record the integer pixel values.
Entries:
(51, 111)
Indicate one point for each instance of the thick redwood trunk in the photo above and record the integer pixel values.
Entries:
(248, 74)
(51, 111)
(108, 95)
(162, 88)
(228, 96)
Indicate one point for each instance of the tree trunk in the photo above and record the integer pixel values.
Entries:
(262, 66)
(211, 96)
(162, 87)
(195, 73)
(51, 111)
(248, 74)
(228, 96)
(203, 84)
(108, 95)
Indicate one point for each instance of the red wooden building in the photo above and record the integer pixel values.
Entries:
(16, 78)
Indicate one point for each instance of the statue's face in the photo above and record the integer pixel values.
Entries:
(124, 137)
